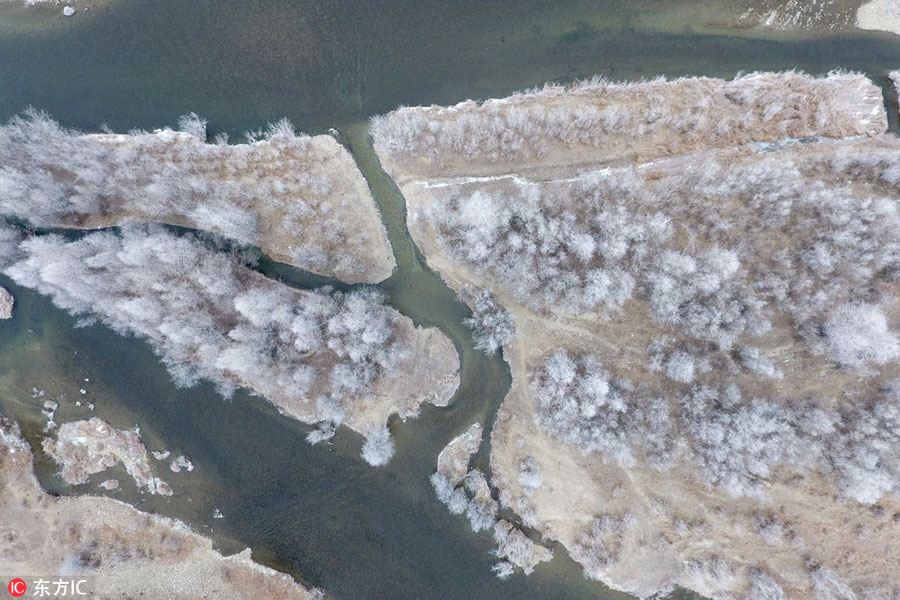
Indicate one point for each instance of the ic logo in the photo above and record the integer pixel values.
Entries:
(16, 587)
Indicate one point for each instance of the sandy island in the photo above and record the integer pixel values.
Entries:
(321, 356)
(83, 448)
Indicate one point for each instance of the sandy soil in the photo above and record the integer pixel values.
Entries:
(345, 224)
(670, 527)
(129, 554)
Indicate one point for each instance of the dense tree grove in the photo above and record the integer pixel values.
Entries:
(818, 249)
(264, 192)
(696, 111)
(209, 316)
(681, 363)
(602, 544)
(736, 441)
(545, 254)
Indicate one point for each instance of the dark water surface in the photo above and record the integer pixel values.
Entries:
(320, 513)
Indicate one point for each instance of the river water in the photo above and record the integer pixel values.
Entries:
(320, 513)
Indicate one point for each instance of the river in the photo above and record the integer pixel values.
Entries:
(320, 513)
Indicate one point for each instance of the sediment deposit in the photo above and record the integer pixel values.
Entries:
(6, 303)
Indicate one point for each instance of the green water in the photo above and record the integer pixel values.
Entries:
(319, 513)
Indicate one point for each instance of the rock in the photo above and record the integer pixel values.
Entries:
(68, 11)
(6, 304)
(161, 487)
(110, 484)
(181, 463)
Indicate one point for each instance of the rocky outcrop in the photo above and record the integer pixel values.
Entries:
(83, 448)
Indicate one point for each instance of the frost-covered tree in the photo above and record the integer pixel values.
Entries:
(454, 499)
(601, 546)
(492, 325)
(864, 447)
(193, 125)
(737, 443)
(529, 475)
(827, 585)
(764, 587)
(857, 335)
(681, 364)
(537, 245)
(701, 111)
(581, 403)
(378, 448)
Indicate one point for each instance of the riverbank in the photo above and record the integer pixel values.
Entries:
(879, 15)
(122, 550)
